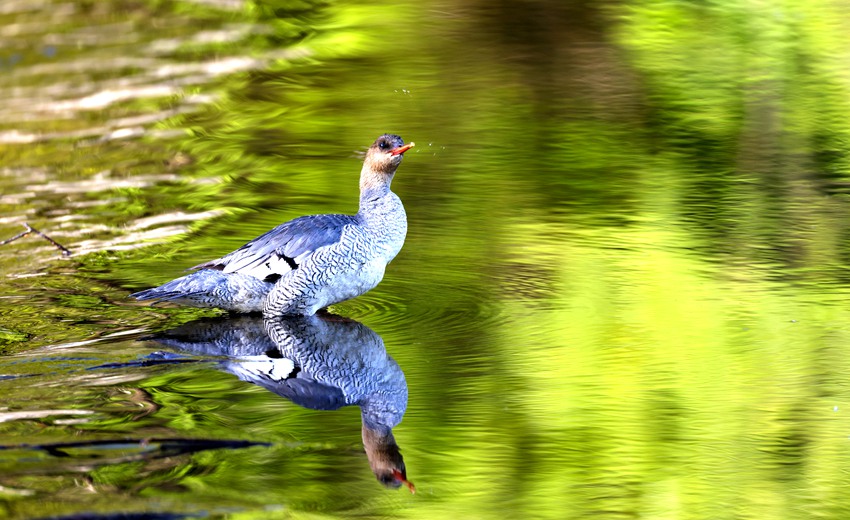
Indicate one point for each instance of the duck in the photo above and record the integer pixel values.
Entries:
(320, 362)
(311, 262)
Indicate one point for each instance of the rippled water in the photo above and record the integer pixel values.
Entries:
(623, 293)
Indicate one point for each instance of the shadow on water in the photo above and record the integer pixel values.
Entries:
(318, 362)
(82, 456)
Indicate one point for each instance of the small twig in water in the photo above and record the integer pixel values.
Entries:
(19, 235)
(30, 229)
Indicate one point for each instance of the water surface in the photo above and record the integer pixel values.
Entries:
(624, 292)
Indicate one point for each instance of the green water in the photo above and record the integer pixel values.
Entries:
(624, 291)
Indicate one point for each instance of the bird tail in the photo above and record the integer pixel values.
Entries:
(212, 288)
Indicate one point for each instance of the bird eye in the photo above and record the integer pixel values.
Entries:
(382, 145)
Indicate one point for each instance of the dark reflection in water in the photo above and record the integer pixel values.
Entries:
(321, 362)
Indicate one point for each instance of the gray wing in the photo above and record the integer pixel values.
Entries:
(284, 248)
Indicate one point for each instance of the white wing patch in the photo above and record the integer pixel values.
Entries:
(262, 368)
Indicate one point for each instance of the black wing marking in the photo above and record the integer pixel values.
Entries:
(282, 249)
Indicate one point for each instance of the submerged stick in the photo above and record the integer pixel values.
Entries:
(30, 229)
(19, 235)
(65, 250)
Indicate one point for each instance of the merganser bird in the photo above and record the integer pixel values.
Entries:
(310, 262)
(320, 362)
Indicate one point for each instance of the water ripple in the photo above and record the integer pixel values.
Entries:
(393, 309)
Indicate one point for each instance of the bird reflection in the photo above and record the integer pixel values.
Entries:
(321, 362)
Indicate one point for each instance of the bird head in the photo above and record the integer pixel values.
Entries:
(386, 153)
